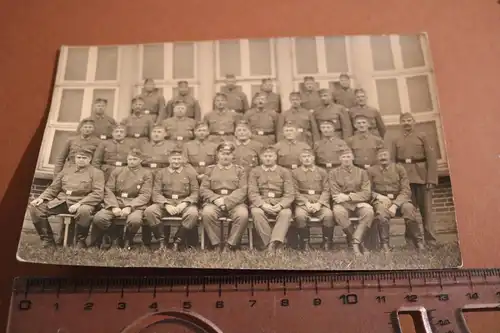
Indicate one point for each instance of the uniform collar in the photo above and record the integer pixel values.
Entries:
(405, 133)
(120, 142)
(173, 170)
(139, 115)
(134, 168)
(243, 143)
(274, 167)
(311, 168)
(227, 167)
(347, 168)
(159, 143)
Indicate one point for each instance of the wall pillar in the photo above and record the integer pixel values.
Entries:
(206, 75)
(284, 69)
(129, 63)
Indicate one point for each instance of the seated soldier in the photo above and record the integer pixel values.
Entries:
(175, 193)
(179, 128)
(271, 194)
(138, 125)
(392, 195)
(364, 144)
(157, 150)
(200, 153)
(312, 199)
(127, 194)
(262, 121)
(328, 149)
(224, 193)
(77, 190)
(247, 150)
(289, 148)
(350, 189)
(113, 153)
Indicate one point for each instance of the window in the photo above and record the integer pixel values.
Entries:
(250, 60)
(168, 63)
(84, 74)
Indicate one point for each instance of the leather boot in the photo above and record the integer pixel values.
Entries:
(349, 232)
(81, 236)
(96, 236)
(304, 238)
(128, 240)
(327, 238)
(356, 248)
(45, 233)
(384, 234)
(357, 239)
(413, 232)
(179, 238)
(271, 248)
(159, 236)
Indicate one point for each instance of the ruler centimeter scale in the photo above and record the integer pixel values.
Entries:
(433, 301)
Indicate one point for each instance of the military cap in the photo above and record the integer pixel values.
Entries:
(243, 123)
(360, 116)
(290, 123)
(220, 94)
(359, 91)
(136, 153)
(327, 121)
(227, 147)
(308, 151)
(200, 124)
(137, 98)
(294, 93)
(269, 149)
(182, 82)
(175, 152)
(324, 90)
(84, 152)
(344, 75)
(383, 150)
(309, 78)
(101, 100)
(149, 80)
(345, 151)
(117, 126)
(179, 102)
(157, 126)
(87, 121)
(267, 79)
(260, 93)
(406, 115)
(230, 76)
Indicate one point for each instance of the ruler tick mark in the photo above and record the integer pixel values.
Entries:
(284, 288)
(316, 286)
(252, 292)
(154, 290)
(187, 290)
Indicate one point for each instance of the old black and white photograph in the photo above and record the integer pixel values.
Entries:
(300, 153)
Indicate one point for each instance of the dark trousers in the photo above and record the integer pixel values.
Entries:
(422, 198)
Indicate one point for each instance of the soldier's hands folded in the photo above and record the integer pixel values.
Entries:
(267, 208)
(341, 197)
(180, 207)
(219, 202)
(172, 210)
(73, 208)
(126, 211)
(116, 211)
(315, 207)
(392, 210)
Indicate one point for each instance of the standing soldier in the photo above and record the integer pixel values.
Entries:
(304, 120)
(247, 151)
(200, 152)
(77, 190)
(350, 189)
(312, 199)
(113, 153)
(175, 193)
(413, 149)
(157, 150)
(85, 139)
(271, 194)
(375, 122)
(335, 113)
(329, 148)
(364, 144)
(289, 148)
(224, 193)
(103, 123)
(309, 95)
(391, 195)
(262, 121)
(179, 127)
(154, 102)
(221, 121)
(273, 100)
(138, 125)
(193, 109)
(237, 100)
(128, 192)
(345, 95)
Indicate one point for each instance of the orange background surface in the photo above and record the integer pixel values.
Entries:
(465, 44)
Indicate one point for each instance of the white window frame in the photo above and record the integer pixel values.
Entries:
(246, 86)
(323, 73)
(168, 88)
(245, 61)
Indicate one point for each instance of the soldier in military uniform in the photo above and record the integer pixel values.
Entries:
(221, 121)
(271, 194)
(237, 100)
(345, 95)
(309, 95)
(113, 153)
(414, 150)
(77, 190)
(224, 193)
(154, 102)
(200, 152)
(273, 100)
(247, 151)
(138, 126)
(179, 128)
(128, 192)
(375, 122)
(193, 109)
(85, 139)
(392, 195)
(312, 199)
(289, 148)
(103, 123)
(328, 149)
(335, 113)
(364, 144)
(175, 193)
(305, 121)
(157, 150)
(350, 190)
(262, 121)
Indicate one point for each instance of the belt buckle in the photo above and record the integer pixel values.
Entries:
(390, 196)
(311, 192)
(147, 112)
(137, 135)
(118, 163)
(153, 165)
(221, 132)
(294, 166)
(224, 192)
(300, 130)
(201, 163)
(367, 166)
(329, 165)
(408, 161)
(124, 195)
(270, 195)
(311, 110)
(180, 138)
(69, 192)
(103, 137)
(260, 132)
(175, 196)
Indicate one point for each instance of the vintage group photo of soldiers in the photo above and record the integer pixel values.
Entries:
(248, 175)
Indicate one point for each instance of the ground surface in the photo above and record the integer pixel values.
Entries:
(443, 256)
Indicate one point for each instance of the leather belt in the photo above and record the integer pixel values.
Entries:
(389, 195)
(104, 137)
(221, 133)
(329, 165)
(116, 163)
(290, 166)
(271, 194)
(258, 132)
(149, 112)
(153, 165)
(362, 166)
(310, 192)
(178, 138)
(177, 196)
(411, 160)
(223, 191)
(137, 135)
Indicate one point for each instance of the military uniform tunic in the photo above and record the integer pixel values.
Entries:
(221, 125)
(229, 183)
(345, 97)
(103, 126)
(273, 186)
(138, 127)
(200, 154)
(289, 153)
(179, 129)
(157, 153)
(311, 186)
(67, 155)
(154, 104)
(339, 116)
(193, 107)
(328, 150)
(126, 187)
(247, 153)
(377, 126)
(310, 100)
(263, 125)
(172, 187)
(365, 147)
(237, 100)
(111, 153)
(305, 122)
